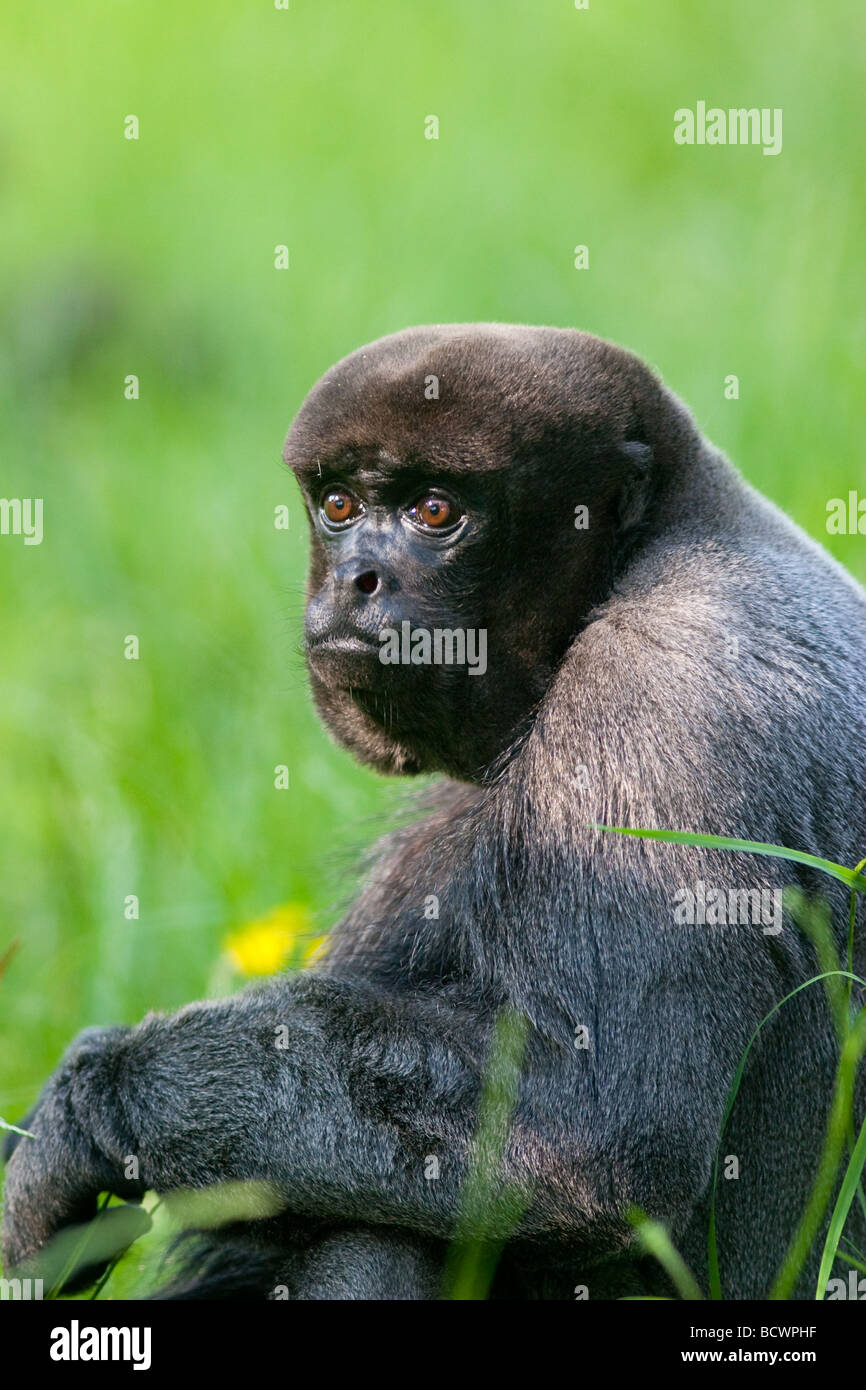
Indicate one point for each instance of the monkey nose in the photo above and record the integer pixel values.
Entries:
(368, 582)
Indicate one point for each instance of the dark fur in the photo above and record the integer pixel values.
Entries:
(607, 650)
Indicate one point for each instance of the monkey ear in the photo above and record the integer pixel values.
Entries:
(635, 493)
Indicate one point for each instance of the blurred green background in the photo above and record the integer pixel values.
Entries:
(156, 257)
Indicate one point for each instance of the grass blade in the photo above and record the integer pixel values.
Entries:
(489, 1211)
(655, 1240)
(847, 1192)
(853, 879)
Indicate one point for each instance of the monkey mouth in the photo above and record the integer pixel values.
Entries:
(345, 663)
(332, 642)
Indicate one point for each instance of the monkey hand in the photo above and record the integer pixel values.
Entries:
(54, 1178)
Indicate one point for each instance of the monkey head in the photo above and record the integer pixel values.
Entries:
(470, 490)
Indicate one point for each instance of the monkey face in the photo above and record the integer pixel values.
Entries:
(390, 548)
(442, 469)
(396, 626)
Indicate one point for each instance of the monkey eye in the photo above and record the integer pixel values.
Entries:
(435, 512)
(339, 506)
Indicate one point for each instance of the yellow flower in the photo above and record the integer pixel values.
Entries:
(261, 947)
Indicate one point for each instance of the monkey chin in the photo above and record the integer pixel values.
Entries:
(358, 718)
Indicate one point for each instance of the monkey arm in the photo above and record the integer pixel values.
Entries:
(336, 1095)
